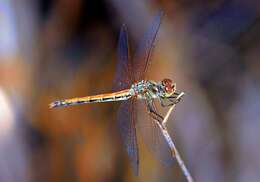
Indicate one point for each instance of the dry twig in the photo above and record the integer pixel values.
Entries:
(172, 146)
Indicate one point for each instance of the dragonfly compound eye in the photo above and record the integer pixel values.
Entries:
(168, 88)
(166, 81)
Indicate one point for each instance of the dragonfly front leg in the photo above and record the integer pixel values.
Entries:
(166, 102)
(152, 111)
(174, 99)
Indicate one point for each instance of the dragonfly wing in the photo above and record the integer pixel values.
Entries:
(126, 123)
(142, 56)
(123, 76)
(152, 136)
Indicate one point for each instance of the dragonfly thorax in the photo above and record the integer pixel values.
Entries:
(144, 88)
(152, 89)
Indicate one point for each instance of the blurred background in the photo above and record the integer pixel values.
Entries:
(67, 48)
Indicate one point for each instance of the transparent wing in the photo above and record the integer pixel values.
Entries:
(142, 56)
(152, 136)
(126, 124)
(123, 77)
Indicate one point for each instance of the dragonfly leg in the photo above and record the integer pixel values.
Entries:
(174, 99)
(153, 113)
(166, 102)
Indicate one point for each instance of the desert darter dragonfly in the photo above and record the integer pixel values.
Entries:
(131, 86)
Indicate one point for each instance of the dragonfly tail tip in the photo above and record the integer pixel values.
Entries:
(54, 104)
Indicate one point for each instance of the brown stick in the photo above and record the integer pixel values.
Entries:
(172, 146)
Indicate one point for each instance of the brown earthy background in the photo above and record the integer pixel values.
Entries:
(66, 48)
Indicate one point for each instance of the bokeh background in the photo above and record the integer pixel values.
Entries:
(65, 48)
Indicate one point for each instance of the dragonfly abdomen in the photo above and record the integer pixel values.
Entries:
(110, 97)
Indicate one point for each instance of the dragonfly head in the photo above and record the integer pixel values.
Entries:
(167, 87)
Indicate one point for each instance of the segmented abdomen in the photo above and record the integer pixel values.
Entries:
(109, 97)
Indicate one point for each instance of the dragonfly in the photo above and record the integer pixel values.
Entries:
(131, 87)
